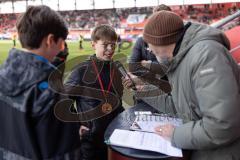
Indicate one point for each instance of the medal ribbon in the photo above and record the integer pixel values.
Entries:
(100, 80)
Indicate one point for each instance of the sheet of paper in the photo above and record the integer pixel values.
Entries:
(143, 141)
(147, 123)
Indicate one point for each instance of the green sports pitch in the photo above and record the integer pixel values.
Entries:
(74, 51)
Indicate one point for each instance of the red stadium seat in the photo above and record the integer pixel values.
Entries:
(233, 35)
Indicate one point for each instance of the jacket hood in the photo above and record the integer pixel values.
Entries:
(194, 34)
(21, 70)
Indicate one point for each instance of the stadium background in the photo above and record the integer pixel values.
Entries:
(126, 16)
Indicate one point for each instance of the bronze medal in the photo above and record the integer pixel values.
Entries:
(106, 107)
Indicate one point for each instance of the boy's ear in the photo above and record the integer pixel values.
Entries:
(50, 40)
(93, 44)
(62, 45)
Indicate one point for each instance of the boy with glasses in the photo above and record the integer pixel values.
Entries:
(98, 72)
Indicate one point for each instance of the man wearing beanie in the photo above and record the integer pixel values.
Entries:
(205, 86)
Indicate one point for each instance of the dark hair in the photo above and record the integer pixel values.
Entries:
(37, 23)
(161, 7)
(104, 32)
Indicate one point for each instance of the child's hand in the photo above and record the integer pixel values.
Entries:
(128, 83)
(82, 130)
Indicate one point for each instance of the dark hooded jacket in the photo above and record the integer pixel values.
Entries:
(28, 126)
(93, 146)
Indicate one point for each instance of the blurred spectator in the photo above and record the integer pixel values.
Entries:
(87, 19)
(80, 41)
